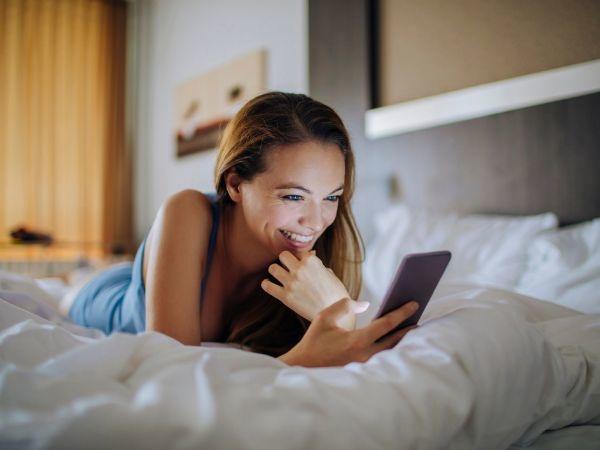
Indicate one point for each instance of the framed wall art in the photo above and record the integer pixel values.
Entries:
(205, 104)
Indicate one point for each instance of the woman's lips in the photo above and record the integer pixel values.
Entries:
(296, 240)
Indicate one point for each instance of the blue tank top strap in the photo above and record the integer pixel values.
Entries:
(212, 240)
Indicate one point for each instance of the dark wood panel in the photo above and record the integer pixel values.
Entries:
(426, 45)
(542, 158)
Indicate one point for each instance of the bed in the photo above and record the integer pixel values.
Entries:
(507, 355)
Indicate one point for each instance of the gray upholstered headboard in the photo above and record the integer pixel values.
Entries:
(543, 158)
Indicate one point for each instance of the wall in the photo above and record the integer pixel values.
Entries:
(176, 40)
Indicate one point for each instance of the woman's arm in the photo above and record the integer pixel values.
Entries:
(175, 255)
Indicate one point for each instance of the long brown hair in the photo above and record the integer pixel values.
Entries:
(270, 120)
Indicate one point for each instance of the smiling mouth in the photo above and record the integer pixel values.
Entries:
(294, 237)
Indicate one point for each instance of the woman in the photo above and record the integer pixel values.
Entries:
(249, 265)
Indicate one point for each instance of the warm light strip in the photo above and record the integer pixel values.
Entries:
(483, 100)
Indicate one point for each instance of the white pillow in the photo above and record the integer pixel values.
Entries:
(486, 249)
(564, 267)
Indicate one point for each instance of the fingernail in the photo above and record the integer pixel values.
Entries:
(362, 306)
(414, 306)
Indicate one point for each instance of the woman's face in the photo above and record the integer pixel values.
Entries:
(290, 205)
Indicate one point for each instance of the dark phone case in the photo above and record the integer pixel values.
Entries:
(416, 279)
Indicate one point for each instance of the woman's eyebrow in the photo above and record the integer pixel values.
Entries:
(302, 188)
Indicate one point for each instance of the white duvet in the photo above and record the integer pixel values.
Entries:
(487, 368)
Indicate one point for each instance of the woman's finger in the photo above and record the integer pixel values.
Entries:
(342, 307)
(336, 310)
(280, 273)
(288, 260)
(392, 339)
(272, 289)
(302, 254)
(380, 327)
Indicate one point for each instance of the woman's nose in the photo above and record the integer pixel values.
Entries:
(312, 218)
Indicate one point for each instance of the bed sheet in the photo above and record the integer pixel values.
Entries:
(582, 437)
(486, 369)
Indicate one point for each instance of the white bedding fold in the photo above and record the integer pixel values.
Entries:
(487, 368)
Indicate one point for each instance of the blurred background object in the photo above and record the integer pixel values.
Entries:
(23, 235)
(205, 104)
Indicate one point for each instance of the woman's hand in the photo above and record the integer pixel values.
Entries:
(326, 344)
(308, 286)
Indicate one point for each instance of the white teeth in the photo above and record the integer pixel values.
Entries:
(296, 237)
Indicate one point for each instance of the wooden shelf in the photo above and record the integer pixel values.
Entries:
(53, 252)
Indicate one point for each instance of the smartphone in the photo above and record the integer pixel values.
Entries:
(416, 279)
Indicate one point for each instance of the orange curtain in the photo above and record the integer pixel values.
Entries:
(64, 165)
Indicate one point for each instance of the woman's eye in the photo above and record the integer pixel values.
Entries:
(292, 197)
(295, 198)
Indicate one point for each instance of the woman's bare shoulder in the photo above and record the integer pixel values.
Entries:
(188, 206)
(187, 215)
(187, 198)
